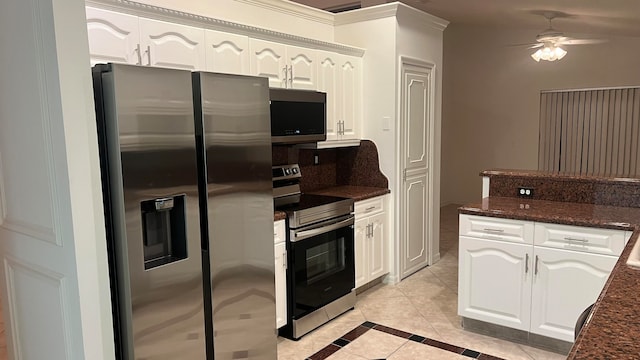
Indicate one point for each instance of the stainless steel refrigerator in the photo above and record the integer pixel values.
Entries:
(186, 170)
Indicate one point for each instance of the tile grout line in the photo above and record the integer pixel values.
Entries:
(341, 342)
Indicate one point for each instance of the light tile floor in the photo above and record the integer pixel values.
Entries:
(425, 304)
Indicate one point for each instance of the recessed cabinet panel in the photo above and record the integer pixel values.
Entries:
(565, 283)
(113, 37)
(414, 248)
(416, 111)
(268, 59)
(490, 228)
(592, 240)
(328, 83)
(303, 70)
(227, 53)
(172, 45)
(495, 282)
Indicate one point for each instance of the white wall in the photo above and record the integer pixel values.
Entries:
(312, 23)
(491, 98)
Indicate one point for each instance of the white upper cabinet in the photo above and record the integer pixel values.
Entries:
(285, 66)
(113, 37)
(227, 53)
(328, 64)
(127, 39)
(172, 45)
(349, 96)
(340, 77)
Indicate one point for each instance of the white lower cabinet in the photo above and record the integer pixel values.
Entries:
(506, 278)
(370, 240)
(494, 284)
(564, 284)
(280, 252)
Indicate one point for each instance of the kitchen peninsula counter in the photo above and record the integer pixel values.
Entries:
(611, 331)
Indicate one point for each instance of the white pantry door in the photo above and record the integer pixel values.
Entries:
(53, 268)
(417, 121)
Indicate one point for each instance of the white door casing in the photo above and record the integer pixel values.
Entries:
(416, 156)
(53, 265)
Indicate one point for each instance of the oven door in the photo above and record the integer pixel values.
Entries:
(321, 264)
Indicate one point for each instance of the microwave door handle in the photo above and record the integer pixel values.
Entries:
(301, 235)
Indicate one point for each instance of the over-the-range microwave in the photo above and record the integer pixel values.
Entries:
(298, 116)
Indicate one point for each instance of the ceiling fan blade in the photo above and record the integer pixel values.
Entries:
(581, 41)
(528, 45)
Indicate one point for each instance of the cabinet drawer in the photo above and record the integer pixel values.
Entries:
(578, 238)
(484, 227)
(369, 206)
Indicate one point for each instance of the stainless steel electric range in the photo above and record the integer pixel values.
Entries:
(320, 253)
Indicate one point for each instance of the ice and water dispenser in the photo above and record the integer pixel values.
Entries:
(164, 232)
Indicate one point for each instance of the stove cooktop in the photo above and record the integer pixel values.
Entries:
(300, 202)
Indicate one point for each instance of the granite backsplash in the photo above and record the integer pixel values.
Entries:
(623, 192)
(357, 166)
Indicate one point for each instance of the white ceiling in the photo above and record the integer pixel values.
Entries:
(598, 17)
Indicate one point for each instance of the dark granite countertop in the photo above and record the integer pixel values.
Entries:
(533, 174)
(356, 193)
(279, 215)
(611, 331)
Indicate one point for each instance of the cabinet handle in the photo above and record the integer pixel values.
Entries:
(575, 239)
(291, 76)
(535, 268)
(284, 69)
(148, 52)
(369, 208)
(284, 261)
(526, 264)
(370, 230)
(493, 230)
(138, 54)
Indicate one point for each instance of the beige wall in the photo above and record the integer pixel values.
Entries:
(491, 98)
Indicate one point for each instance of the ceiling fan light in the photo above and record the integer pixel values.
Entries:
(549, 53)
(537, 55)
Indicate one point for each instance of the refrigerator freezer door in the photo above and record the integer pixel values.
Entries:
(148, 114)
(237, 147)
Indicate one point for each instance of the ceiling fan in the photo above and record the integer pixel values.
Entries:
(550, 42)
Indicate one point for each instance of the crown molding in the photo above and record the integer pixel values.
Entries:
(180, 17)
(295, 9)
(399, 10)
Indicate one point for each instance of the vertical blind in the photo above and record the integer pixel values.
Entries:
(590, 132)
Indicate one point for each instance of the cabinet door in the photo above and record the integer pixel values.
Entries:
(414, 244)
(361, 261)
(494, 282)
(302, 68)
(564, 284)
(172, 45)
(350, 96)
(227, 53)
(377, 246)
(281, 281)
(113, 37)
(328, 83)
(268, 59)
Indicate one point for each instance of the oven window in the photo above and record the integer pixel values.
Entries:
(325, 260)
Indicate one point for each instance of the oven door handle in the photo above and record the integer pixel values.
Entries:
(301, 235)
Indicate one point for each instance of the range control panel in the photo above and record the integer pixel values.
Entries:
(284, 172)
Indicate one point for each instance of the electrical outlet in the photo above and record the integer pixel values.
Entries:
(525, 192)
(316, 159)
